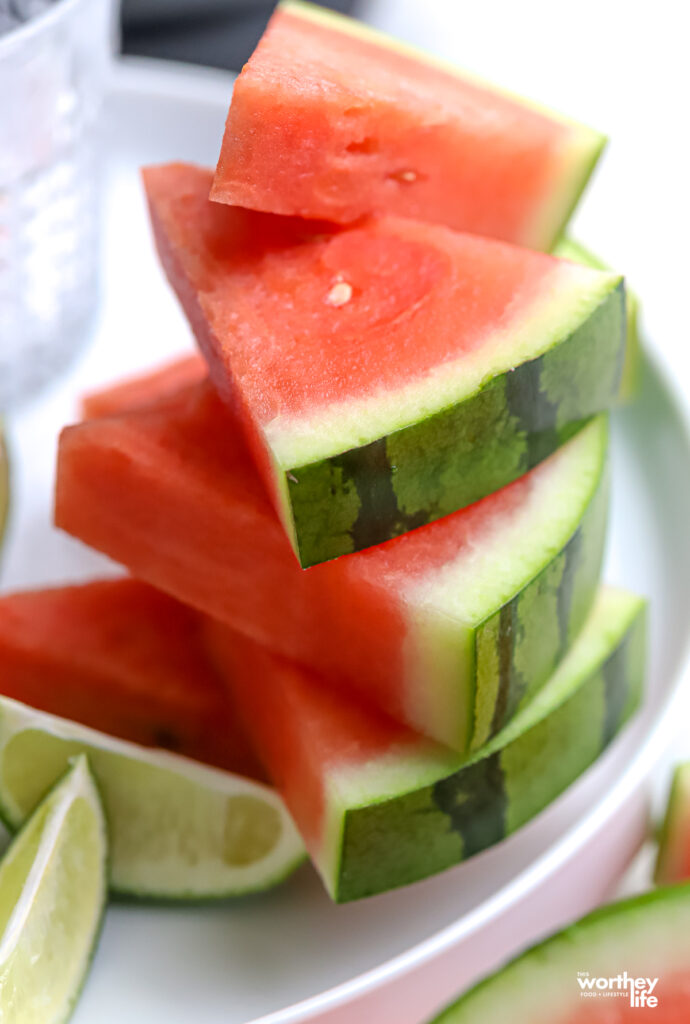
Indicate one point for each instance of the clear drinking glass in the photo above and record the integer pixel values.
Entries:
(53, 70)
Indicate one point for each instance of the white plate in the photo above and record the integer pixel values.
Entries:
(291, 954)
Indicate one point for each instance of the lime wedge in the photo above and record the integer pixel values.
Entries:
(52, 896)
(178, 830)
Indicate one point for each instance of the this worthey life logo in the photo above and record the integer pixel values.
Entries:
(640, 992)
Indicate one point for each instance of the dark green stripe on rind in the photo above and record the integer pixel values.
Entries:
(518, 648)
(474, 801)
(371, 474)
(619, 700)
(459, 455)
(394, 842)
(543, 762)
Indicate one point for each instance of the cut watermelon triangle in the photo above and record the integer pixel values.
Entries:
(601, 970)
(448, 628)
(380, 807)
(123, 658)
(330, 119)
(389, 373)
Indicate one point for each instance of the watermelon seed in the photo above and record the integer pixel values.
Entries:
(340, 293)
(406, 177)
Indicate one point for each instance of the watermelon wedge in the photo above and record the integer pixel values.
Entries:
(448, 628)
(330, 119)
(587, 974)
(125, 659)
(673, 861)
(389, 373)
(569, 249)
(380, 807)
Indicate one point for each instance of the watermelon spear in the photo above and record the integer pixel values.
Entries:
(448, 628)
(623, 963)
(450, 366)
(332, 120)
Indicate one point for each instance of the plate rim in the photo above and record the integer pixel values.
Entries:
(665, 725)
(176, 80)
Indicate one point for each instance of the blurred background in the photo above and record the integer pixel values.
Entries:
(220, 33)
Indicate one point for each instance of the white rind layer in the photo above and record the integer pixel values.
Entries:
(569, 294)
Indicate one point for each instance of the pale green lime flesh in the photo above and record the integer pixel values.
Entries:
(52, 895)
(177, 829)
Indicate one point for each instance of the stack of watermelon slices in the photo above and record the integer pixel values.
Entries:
(377, 506)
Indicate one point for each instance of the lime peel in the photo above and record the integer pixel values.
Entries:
(178, 829)
(53, 884)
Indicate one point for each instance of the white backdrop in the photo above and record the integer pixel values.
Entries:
(624, 69)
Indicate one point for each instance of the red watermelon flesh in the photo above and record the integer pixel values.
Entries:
(330, 119)
(257, 289)
(122, 658)
(282, 703)
(673, 1008)
(604, 968)
(143, 388)
(170, 490)
(379, 806)
(673, 861)
(335, 344)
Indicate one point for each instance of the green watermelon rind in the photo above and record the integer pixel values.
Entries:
(674, 838)
(519, 647)
(644, 936)
(458, 455)
(570, 249)
(489, 646)
(404, 817)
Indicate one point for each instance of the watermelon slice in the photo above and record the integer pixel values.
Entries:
(447, 628)
(330, 119)
(673, 862)
(389, 373)
(569, 249)
(586, 974)
(380, 807)
(124, 659)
